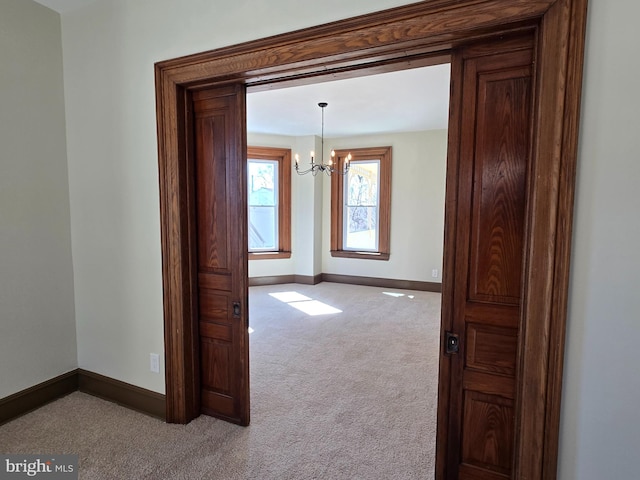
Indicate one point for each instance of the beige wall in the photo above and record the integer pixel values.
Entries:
(600, 429)
(418, 179)
(37, 328)
(306, 214)
(417, 208)
(109, 51)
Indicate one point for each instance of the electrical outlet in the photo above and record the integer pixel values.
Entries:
(434, 273)
(154, 362)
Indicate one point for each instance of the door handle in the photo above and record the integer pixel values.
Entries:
(452, 343)
(236, 309)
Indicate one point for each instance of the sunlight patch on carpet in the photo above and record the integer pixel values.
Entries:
(287, 297)
(398, 295)
(305, 304)
(314, 307)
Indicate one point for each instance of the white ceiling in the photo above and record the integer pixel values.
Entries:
(407, 100)
(403, 101)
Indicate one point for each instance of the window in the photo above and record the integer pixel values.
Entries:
(269, 187)
(361, 204)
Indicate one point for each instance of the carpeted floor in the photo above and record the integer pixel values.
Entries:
(348, 395)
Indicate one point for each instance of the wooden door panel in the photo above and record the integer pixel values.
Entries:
(218, 405)
(211, 177)
(217, 357)
(499, 189)
(216, 341)
(493, 314)
(491, 349)
(468, 472)
(215, 330)
(488, 421)
(494, 152)
(213, 305)
(488, 383)
(218, 123)
(215, 282)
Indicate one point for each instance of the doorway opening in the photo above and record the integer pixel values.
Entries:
(388, 364)
(545, 68)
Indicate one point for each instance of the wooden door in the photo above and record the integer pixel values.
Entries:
(489, 159)
(219, 127)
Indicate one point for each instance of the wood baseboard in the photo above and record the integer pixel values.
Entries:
(125, 394)
(271, 280)
(308, 280)
(282, 279)
(383, 282)
(350, 279)
(35, 397)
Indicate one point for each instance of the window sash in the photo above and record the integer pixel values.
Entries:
(340, 202)
(361, 212)
(263, 225)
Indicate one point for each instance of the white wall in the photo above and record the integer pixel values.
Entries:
(109, 51)
(600, 429)
(417, 208)
(110, 48)
(306, 214)
(37, 327)
(279, 266)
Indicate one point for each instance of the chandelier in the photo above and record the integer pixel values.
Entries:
(327, 168)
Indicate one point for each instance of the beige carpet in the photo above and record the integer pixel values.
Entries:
(349, 395)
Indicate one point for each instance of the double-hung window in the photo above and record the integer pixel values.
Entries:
(361, 204)
(269, 190)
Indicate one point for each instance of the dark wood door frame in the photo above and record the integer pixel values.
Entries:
(403, 37)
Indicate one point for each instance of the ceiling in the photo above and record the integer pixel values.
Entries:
(402, 101)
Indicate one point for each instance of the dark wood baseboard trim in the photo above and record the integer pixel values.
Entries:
(271, 280)
(282, 279)
(35, 397)
(308, 280)
(125, 394)
(383, 282)
(350, 279)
